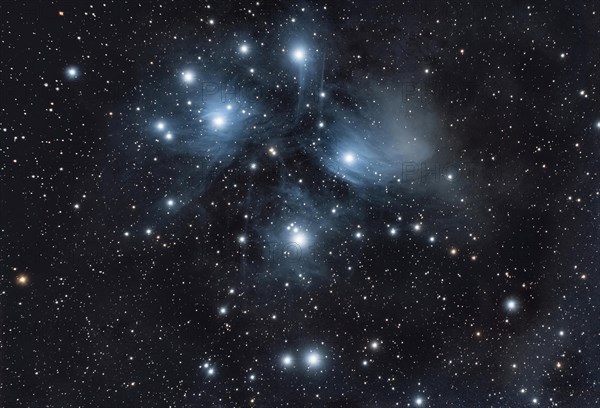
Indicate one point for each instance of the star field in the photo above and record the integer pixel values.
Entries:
(318, 204)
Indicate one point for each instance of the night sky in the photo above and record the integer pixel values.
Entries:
(300, 204)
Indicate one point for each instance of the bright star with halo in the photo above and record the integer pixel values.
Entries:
(188, 77)
(219, 121)
(313, 359)
(299, 54)
(72, 72)
(349, 158)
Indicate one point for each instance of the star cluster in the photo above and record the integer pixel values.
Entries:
(347, 204)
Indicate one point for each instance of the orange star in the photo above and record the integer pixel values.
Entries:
(22, 280)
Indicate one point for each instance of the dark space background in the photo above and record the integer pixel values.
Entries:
(299, 204)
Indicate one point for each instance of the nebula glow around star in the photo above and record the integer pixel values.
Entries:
(283, 204)
(378, 155)
(219, 121)
(349, 158)
(299, 54)
(188, 77)
(313, 359)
